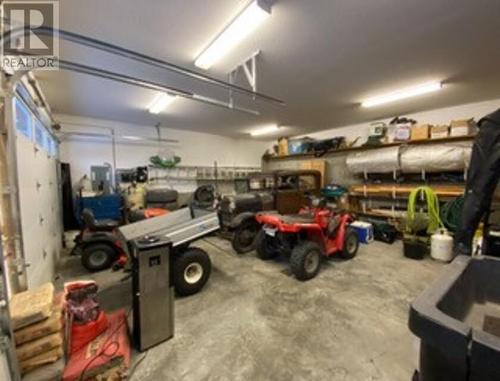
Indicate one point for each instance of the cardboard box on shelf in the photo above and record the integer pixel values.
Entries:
(283, 146)
(463, 127)
(402, 133)
(440, 132)
(420, 132)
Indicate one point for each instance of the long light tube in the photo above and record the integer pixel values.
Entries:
(265, 130)
(403, 94)
(245, 23)
(160, 102)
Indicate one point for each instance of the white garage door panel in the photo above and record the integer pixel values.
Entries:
(39, 207)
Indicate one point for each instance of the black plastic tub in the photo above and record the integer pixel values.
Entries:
(458, 321)
(415, 248)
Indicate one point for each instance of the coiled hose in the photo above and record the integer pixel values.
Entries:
(432, 208)
(451, 213)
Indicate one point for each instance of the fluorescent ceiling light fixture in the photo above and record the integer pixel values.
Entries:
(265, 130)
(403, 94)
(245, 23)
(160, 102)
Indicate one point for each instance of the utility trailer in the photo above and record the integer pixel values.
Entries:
(191, 265)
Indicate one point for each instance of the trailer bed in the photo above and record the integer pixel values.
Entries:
(180, 227)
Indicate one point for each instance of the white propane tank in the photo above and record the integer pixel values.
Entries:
(442, 246)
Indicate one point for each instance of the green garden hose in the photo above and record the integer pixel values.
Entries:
(432, 208)
(451, 213)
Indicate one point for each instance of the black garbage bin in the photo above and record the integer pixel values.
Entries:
(458, 321)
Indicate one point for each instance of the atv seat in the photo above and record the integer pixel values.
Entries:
(304, 218)
(97, 225)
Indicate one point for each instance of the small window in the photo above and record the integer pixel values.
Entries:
(53, 147)
(261, 182)
(48, 142)
(287, 182)
(23, 121)
(307, 182)
(40, 134)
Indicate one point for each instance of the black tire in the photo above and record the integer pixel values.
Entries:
(77, 250)
(191, 271)
(351, 244)
(244, 236)
(264, 246)
(98, 256)
(305, 260)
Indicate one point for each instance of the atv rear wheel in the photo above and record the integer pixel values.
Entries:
(98, 256)
(191, 271)
(265, 246)
(244, 236)
(305, 260)
(351, 244)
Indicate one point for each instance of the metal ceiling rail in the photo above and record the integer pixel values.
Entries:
(79, 68)
(110, 136)
(139, 57)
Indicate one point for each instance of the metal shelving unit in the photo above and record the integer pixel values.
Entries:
(199, 173)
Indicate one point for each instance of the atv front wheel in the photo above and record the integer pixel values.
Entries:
(264, 246)
(244, 236)
(351, 244)
(191, 271)
(305, 260)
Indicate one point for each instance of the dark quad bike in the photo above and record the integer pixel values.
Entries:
(306, 237)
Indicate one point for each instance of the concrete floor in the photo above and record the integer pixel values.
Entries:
(254, 321)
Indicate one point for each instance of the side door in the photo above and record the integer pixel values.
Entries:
(288, 197)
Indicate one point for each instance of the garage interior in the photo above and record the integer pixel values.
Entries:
(250, 190)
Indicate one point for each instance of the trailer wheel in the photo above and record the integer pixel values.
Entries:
(98, 256)
(264, 246)
(351, 244)
(305, 260)
(191, 271)
(244, 236)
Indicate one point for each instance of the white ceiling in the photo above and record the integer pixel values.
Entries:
(321, 56)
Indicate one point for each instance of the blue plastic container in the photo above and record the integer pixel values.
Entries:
(103, 207)
(364, 230)
(299, 146)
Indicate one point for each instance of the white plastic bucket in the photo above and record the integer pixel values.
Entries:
(442, 246)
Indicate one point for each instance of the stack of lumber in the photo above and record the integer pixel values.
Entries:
(443, 190)
(37, 321)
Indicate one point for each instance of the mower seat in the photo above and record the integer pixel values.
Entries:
(304, 218)
(97, 225)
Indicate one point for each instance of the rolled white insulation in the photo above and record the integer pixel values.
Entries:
(383, 160)
(412, 159)
(435, 157)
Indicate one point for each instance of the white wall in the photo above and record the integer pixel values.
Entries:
(437, 116)
(194, 148)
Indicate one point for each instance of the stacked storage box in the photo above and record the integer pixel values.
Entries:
(38, 327)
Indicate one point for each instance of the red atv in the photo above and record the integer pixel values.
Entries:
(305, 237)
